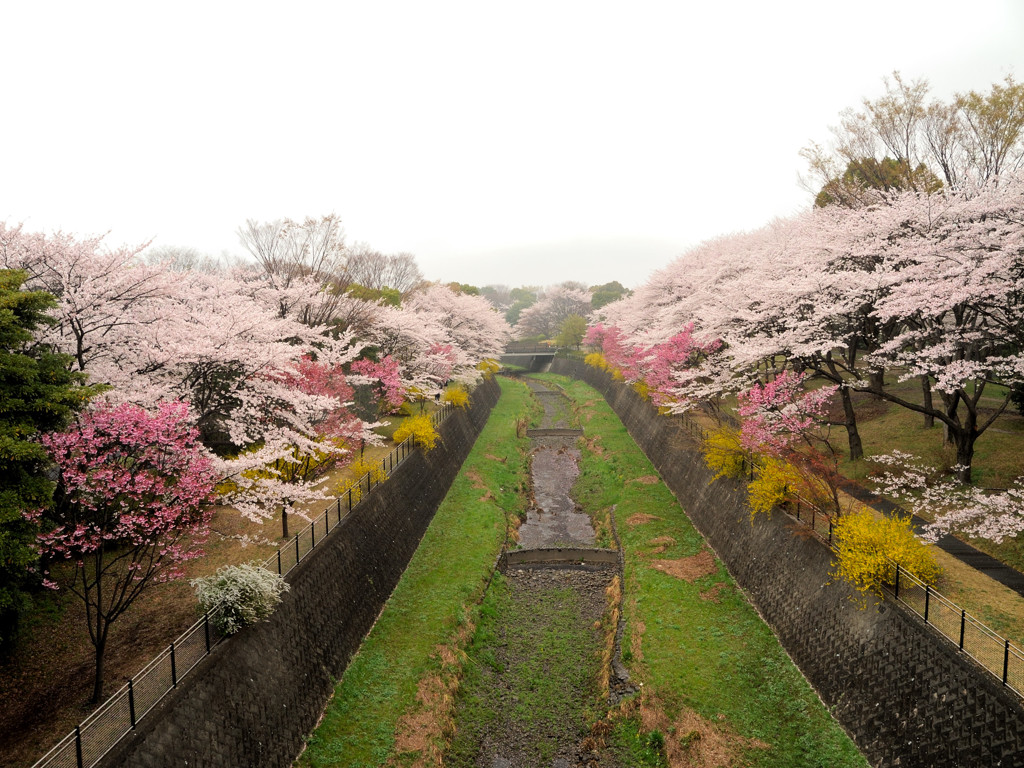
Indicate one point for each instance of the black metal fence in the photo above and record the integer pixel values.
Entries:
(95, 736)
(971, 636)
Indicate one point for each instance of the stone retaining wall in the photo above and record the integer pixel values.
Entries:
(905, 694)
(254, 700)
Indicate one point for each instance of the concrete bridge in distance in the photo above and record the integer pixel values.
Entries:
(531, 356)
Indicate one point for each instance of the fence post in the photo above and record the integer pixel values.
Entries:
(963, 621)
(1006, 661)
(297, 556)
(174, 669)
(78, 746)
(312, 533)
(350, 498)
(798, 508)
(131, 702)
(927, 599)
(830, 531)
(897, 591)
(278, 562)
(339, 510)
(813, 510)
(206, 629)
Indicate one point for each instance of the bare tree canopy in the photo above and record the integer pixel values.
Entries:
(286, 249)
(900, 141)
(372, 269)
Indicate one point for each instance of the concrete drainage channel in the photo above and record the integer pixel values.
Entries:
(555, 590)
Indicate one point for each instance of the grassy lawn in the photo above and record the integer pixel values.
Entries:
(713, 674)
(406, 665)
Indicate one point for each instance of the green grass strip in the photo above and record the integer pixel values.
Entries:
(437, 593)
(717, 658)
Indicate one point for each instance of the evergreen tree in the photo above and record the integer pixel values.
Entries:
(38, 394)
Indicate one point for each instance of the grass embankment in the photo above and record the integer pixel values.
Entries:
(391, 700)
(714, 676)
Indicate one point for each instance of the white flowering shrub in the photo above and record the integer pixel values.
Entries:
(244, 594)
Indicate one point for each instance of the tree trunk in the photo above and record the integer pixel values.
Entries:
(926, 393)
(876, 380)
(284, 522)
(97, 688)
(856, 447)
(965, 454)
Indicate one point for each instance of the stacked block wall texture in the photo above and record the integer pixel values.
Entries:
(905, 694)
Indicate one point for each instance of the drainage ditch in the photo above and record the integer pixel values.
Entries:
(545, 665)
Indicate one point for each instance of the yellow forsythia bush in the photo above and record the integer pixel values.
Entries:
(724, 454)
(488, 366)
(456, 395)
(641, 388)
(869, 547)
(359, 469)
(375, 470)
(774, 482)
(596, 360)
(420, 429)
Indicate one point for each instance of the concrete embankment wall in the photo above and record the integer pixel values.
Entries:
(259, 694)
(904, 693)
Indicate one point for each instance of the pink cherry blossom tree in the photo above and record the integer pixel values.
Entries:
(386, 380)
(781, 413)
(545, 317)
(438, 334)
(132, 506)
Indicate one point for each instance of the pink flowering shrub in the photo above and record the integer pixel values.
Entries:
(132, 506)
(780, 413)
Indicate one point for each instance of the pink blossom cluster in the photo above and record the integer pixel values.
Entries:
(659, 365)
(780, 412)
(387, 375)
(133, 479)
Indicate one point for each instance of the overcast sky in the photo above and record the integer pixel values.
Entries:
(517, 143)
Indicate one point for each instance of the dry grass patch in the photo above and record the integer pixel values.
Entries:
(640, 518)
(714, 595)
(693, 742)
(476, 479)
(688, 569)
(661, 544)
(421, 733)
(636, 638)
(646, 480)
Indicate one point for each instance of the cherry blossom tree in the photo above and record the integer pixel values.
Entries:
(386, 380)
(545, 317)
(955, 508)
(224, 342)
(781, 412)
(438, 334)
(132, 506)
